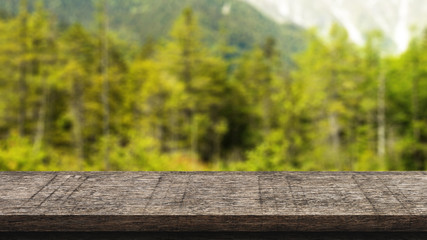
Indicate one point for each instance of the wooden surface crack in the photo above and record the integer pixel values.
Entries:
(54, 191)
(75, 189)
(159, 180)
(181, 203)
(45, 185)
(364, 194)
(297, 207)
(260, 200)
(293, 194)
(395, 196)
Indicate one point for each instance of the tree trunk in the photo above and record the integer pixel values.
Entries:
(334, 131)
(266, 115)
(415, 109)
(194, 139)
(22, 100)
(23, 88)
(333, 119)
(418, 154)
(381, 118)
(41, 122)
(77, 111)
(105, 84)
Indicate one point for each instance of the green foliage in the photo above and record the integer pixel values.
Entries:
(18, 153)
(83, 97)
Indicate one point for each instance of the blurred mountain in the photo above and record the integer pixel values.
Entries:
(395, 18)
(138, 20)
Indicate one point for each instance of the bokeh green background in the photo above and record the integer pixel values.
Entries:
(182, 85)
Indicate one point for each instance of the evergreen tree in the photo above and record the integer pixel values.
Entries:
(77, 57)
(203, 78)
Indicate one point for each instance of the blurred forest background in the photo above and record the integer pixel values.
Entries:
(188, 85)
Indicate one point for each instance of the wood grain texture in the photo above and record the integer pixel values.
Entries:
(213, 201)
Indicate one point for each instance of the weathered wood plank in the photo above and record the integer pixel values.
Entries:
(213, 201)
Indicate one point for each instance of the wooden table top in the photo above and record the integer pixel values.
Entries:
(213, 201)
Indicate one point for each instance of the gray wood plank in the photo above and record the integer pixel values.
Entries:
(213, 201)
